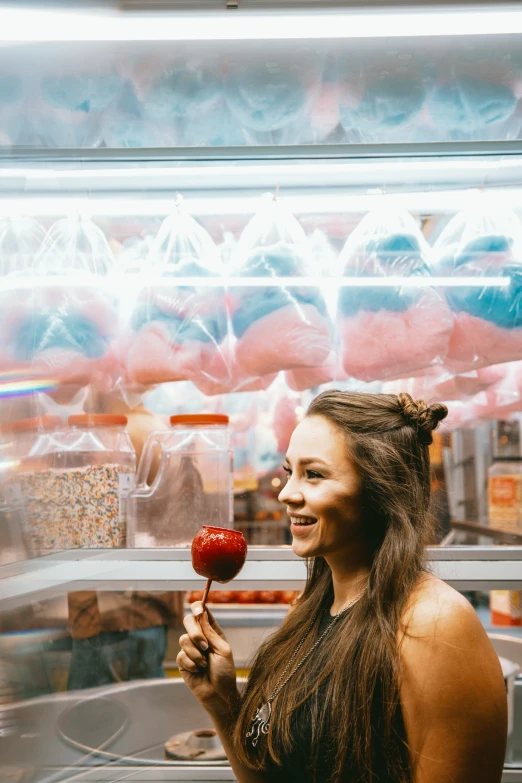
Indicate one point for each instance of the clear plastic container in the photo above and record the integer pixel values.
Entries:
(22, 440)
(76, 484)
(28, 437)
(193, 485)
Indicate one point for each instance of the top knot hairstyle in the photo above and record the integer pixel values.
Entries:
(423, 418)
(353, 679)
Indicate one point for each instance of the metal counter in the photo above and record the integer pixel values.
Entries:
(118, 733)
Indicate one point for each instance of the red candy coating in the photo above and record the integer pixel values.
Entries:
(218, 553)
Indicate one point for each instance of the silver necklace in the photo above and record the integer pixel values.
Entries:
(261, 722)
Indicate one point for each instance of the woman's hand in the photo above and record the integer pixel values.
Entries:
(205, 661)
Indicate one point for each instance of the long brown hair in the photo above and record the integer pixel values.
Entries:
(356, 719)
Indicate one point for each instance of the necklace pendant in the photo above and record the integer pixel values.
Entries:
(261, 723)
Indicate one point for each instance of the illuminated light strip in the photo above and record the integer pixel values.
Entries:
(117, 282)
(435, 202)
(268, 169)
(21, 24)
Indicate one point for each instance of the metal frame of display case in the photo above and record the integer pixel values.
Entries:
(465, 568)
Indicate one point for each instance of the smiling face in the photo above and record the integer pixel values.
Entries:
(323, 489)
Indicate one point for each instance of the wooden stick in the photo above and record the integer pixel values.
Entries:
(205, 594)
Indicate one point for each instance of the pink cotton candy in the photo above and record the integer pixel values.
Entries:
(290, 337)
(504, 397)
(285, 422)
(310, 377)
(324, 113)
(436, 384)
(460, 414)
(153, 358)
(455, 387)
(384, 344)
(221, 374)
(478, 343)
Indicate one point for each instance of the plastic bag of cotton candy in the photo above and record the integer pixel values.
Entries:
(439, 383)
(481, 243)
(475, 95)
(271, 94)
(390, 319)
(58, 316)
(74, 94)
(279, 316)
(502, 398)
(19, 122)
(178, 327)
(175, 92)
(325, 261)
(382, 98)
(21, 239)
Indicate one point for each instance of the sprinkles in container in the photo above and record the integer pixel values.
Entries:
(75, 489)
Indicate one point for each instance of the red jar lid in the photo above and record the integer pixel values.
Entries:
(35, 424)
(199, 419)
(97, 420)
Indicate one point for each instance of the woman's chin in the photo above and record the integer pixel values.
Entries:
(302, 548)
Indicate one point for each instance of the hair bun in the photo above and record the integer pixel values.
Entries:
(423, 418)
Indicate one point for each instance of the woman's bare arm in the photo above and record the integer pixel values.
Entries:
(453, 694)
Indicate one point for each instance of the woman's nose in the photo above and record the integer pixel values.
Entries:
(290, 493)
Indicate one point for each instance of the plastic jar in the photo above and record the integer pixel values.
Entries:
(25, 436)
(505, 494)
(76, 488)
(193, 484)
(505, 513)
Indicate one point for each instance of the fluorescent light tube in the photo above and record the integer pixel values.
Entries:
(312, 203)
(137, 281)
(19, 24)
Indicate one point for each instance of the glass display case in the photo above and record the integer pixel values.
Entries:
(224, 210)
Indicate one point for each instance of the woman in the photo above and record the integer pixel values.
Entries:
(381, 671)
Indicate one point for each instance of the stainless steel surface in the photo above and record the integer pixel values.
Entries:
(124, 725)
(507, 647)
(155, 711)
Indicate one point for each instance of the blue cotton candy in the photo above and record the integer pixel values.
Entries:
(11, 90)
(204, 329)
(267, 95)
(217, 128)
(183, 91)
(81, 92)
(467, 104)
(52, 329)
(275, 261)
(256, 305)
(501, 306)
(186, 267)
(389, 102)
(279, 260)
(395, 255)
(123, 125)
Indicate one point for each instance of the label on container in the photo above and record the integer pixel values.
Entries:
(503, 490)
(505, 607)
(125, 485)
(13, 494)
(505, 502)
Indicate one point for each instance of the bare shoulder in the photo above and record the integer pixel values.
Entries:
(435, 605)
(452, 689)
(441, 633)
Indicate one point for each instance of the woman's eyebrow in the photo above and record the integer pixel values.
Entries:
(308, 461)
